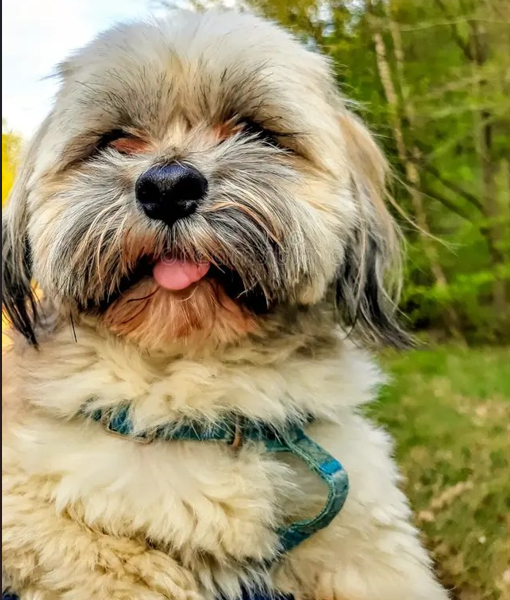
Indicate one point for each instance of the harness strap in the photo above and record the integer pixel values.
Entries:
(319, 461)
(234, 430)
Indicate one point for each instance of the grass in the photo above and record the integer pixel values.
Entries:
(449, 411)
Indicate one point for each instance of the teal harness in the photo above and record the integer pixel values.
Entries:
(234, 431)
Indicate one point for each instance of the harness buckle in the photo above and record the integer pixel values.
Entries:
(238, 438)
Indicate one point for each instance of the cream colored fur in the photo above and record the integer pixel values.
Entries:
(80, 506)
(88, 516)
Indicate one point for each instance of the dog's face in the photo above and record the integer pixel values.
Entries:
(194, 177)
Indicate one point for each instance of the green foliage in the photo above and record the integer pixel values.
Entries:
(449, 410)
(448, 62)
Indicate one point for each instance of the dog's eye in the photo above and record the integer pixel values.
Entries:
(122, 141)
(252, 129)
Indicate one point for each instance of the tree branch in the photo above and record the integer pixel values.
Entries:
(456, 34)
(453, 186)
(451, 206)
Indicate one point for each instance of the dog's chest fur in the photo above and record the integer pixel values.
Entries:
(185, 497)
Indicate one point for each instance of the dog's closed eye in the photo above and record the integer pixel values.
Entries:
(249, 127)
(122, 141)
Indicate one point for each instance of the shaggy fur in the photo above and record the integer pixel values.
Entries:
(300, 243)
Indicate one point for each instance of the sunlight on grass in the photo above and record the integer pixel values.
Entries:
(449, 410)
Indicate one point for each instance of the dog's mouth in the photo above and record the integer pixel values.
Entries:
(179, 275)
(176, 274)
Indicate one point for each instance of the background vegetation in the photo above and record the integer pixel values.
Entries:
(448, 408)
(432, 79)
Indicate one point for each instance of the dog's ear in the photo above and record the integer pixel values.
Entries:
(368, 282)
(18, 298)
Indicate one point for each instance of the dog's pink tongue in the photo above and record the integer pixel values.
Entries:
(176, 274)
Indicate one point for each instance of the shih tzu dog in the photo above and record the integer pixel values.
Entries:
(205, 222)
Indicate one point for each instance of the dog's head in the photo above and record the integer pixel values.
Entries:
(195, 176)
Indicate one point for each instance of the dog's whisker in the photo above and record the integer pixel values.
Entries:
(143, 298)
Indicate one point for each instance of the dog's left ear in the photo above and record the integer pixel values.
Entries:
(18, 298)
(368, 281)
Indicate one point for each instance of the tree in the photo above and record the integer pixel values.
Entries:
(400, 107)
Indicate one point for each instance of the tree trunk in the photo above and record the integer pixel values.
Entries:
(409, 160)
(489, 171)
(476, 51)
(492, 212)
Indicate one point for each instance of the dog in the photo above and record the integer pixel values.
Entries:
(206, 223)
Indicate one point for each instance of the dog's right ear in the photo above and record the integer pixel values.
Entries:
(369, 280)
(18, 298)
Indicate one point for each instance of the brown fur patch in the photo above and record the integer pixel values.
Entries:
(152, 316)
(131, 145)
(226, 129)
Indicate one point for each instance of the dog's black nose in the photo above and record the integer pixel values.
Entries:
(170, 192)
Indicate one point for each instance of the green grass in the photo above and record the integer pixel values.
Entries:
(449, 411)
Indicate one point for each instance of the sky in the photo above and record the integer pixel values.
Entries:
(38, 34)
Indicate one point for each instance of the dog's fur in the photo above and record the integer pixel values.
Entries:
(295, 225)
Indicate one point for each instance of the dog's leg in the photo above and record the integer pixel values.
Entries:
(50, 556)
